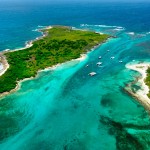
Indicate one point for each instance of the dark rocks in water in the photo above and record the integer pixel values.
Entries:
(124, 140)
(46, 89)
(106, 102)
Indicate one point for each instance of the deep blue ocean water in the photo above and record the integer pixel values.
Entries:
(65, 109)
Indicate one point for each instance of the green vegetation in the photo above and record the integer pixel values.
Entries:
(147, 80)
(61, 44)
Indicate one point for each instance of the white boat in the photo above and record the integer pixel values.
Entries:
(120, 61)
(92, 73)
(99, 63)
(100, 57)
(112, 57)
(87, 65)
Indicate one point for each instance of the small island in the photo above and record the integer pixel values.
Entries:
(142, 94)
(57, 45)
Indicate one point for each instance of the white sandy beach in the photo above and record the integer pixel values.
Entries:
(4, 65)
(81, 58)
(141, 94)
(1, 66)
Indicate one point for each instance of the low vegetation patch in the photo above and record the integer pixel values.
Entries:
(147, 80)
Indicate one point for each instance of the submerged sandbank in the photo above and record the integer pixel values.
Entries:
(140, 94)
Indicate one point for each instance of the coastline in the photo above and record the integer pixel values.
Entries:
(141, 94)
(4, 63)
(30, 44)
(18, 85)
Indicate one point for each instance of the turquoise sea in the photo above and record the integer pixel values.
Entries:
(64, 108)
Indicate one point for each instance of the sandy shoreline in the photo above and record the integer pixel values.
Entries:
(4, 63)
(140, 94)
(28, 44)
(82, 58)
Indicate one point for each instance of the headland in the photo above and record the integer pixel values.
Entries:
(142, 94)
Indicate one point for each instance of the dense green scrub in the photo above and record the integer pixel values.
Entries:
(147, 80)
(61, 44)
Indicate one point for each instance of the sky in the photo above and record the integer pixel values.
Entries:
(74, 1)
(37, 2)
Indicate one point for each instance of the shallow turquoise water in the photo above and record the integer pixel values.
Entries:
(67, 109)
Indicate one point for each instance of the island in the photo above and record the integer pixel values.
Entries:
(57, 45)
